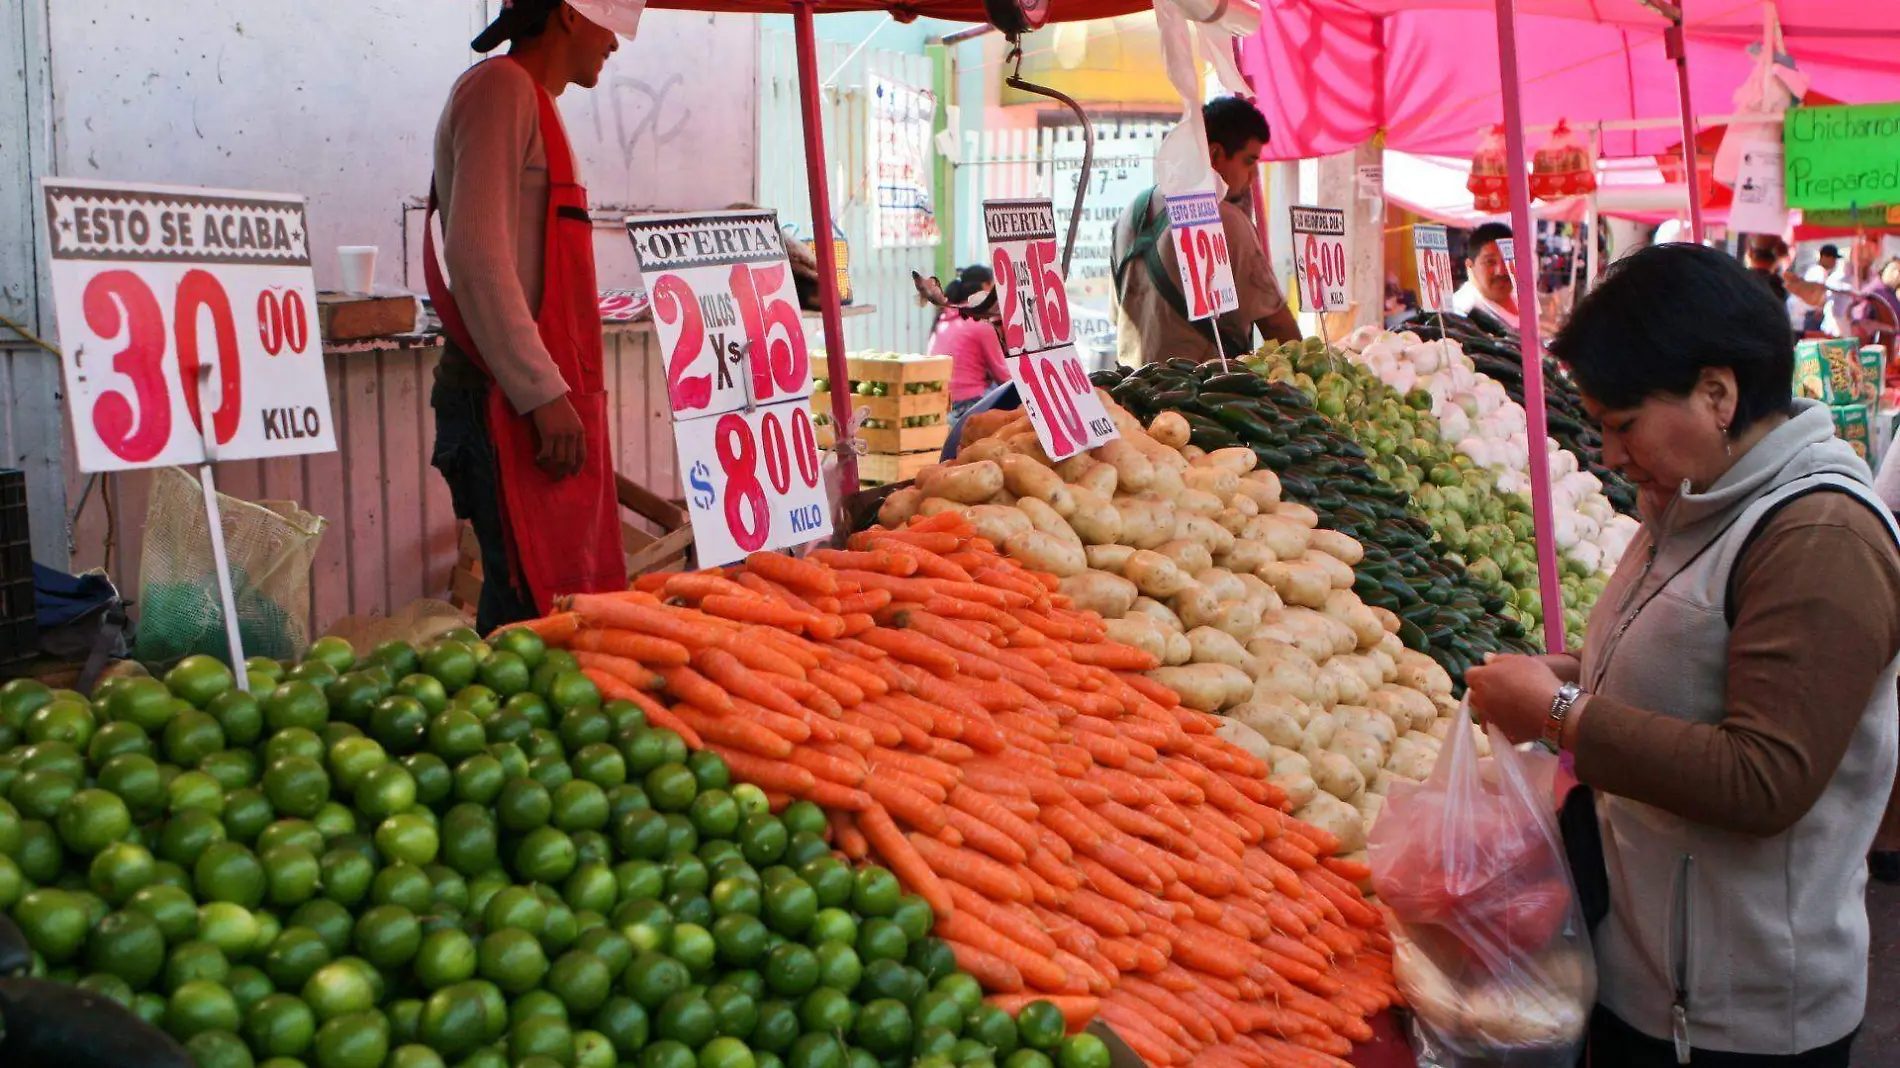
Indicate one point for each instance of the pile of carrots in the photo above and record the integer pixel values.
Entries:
(1081, 836)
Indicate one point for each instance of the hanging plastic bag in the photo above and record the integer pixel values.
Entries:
(270, 544)
(1489, 183)
(1490, 948)
(1770, 89)
(1563, 167)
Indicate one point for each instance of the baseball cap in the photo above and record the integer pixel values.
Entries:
(1829, 250)
(524, 18)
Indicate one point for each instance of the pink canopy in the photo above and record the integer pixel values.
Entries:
(1331, 73)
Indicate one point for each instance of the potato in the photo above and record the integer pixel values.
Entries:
(982, 425)
(1388, 667)
(968, 484)
(1260, 595)
(1236, 458)
(1285, 667)
(1170, 429)
(1240, 505)
(1203, 687)
(1218, 481)
(1276, 725)
(1191, 556)
(1441, 727)
(1365, 752)
(1025, 442)
(1180, 650)
(1407, 709)
(1046, 519)
(1216, 538)
(1289, 762)
(1392, 647)
(1379, 783)
(1156, 575)
(1093, 518)
(1072, 469)
(1422, 673)
(1134, 472)
(1225, 584)
(1298, 513)
(1335, 817)
(1411, 761)
(1371, 806)
(1298, 583)
(1300, 789)
(897, 508)
(938, 505)
(997, 522)
(1145, 524)
(1142, 633)
(1348, 687)
(1167, 483)
(1192, 453)
(1158, 612)
(1218, 647)
(1195, 606)
(1336, 774)
(1338, 574)
(1320, 728)
(1240, 619)
(1285, 540)
(1239, 684)
(1108, 557)
(1028, 479)
(1045, 552)
(1339, 546)
(1102, 480)
(1345, 606)
(1235, 732)
(1196, 502)
(1263, 488)
(1109, 596)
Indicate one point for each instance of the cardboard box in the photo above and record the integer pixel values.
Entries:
(1854, 425)
(1873, 370)
(1829, 370)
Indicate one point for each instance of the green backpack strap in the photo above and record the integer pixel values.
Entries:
(1147, 247)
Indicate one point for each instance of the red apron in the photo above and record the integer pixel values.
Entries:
(563, 534)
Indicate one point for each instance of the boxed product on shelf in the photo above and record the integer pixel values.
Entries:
(1829, 370)
(1854, 425)
(1873, 373)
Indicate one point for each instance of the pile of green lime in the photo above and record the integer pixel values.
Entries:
(459, 856)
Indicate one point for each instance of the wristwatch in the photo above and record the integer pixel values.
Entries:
(1560, 706)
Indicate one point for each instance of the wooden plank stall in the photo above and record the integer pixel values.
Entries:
(392, 535)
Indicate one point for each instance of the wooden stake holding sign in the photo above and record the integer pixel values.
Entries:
(150, 285)
(1200, 250)
(1034, 302)
(738, 378)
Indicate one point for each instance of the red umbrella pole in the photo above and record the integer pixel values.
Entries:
(810, 97)
(1679, 51)
(1525, 248)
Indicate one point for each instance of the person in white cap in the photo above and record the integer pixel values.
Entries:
(520, 405)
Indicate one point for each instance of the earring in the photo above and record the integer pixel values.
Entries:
(1728, 444)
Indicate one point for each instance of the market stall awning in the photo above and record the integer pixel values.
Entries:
(911, 10)
(1332, 73)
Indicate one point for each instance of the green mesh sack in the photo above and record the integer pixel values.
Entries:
(270, 544)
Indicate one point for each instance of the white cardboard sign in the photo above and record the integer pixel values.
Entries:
(1319, 257)
(754, 480)
(1200, 250)
(179, 307)
(1432, 254)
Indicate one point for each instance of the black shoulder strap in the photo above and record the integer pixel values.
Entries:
(1734, 576)
(1150, 232)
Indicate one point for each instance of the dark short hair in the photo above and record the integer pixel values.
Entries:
(976, 275)
(1829, 250)
(1664, 314)
(1485, 235)
(1767, 249)
(1233, 121)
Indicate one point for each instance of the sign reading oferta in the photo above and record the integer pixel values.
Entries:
(1843, 158)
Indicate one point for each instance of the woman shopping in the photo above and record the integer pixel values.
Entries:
(1733, 704)
(972, 345)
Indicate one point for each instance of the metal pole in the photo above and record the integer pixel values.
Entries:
(1679, 51)
(809, 102)
(1537, 430)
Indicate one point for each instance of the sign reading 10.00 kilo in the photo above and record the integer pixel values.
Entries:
(1034, 303)
(178, 306)
(1319, 258)
(738, 378)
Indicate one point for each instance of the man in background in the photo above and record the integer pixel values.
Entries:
(1150, 307)
(1489, 284)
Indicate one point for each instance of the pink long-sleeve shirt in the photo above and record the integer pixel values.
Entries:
(976, 354)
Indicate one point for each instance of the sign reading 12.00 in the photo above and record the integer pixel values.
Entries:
(1200, 248)
(1034, 303)
(173, 301)
(1319, 258)
(738, 379)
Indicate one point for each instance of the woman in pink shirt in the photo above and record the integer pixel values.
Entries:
(971, 344)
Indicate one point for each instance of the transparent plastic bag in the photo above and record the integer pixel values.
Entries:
(1490, 166)
(1491, 951)
(271, 545)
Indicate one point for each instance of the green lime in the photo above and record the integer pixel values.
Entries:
(239, 716)
(1028, 1058)
(647, 924)
(414, 1055)
(479, 779)
(39, 854)
(398, 657)
(196, 960)
(145, 702)
(914, 917)
(290, 832)
(291, 874)
(762, 838)
(545, 855)
(295, 742)
(234, 929)
(512, 960)
(991, 1026)
(937, 1010)
(882, 939)
(506, 673)
(876, 893)
(388, 936)
(294, 956)
(541, 1036)
(339, 988)
(791, 906)
(591, 888)
(579, 806)
(12, 882)
(1082, 1051)
(352, 758)
(581, 980)
(476, 700)
(296, 704)
(802, 848)
(246, 812)
(445, 957)
(409, 837)
(334, 651)
(726, 1052)
(839, 966)
(354, 696)
(641, 834)
(654, 977)
(613, 949)
(62, 720)
(827, 1010)
(249, 985)
(524, 805)
(694, 946)
(297, 786)
(686, 1017)
(200, 1005)
(345, 875)
(90, 820)
(932, 1045)
(687, 874)
(280, 1026)
(334, 822)
(171, 908)
(455, 1019)
(331, 921)
(889, 979)
(199, 679)
(584, 726)
(551, 769)
(469, 839)
(931, 957)
(120, 870)
(116, 739)
(668, 1054)
(129, 945)
(53, 921)
(736, 895)
(401, 722)
(833, 925)
(817, 1050)
(752, 800)
(740, 939)
(452, 663)
(20, 698)
(40, 793)
(714, 813)
(791, 970)
(963, 988)
(219, 1049)
(624, 1023)
(226, 871)
(358, 1040)
(1040, 1025)
(645, 749)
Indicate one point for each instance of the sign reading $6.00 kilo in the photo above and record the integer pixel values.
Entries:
(185, 315)
(738, 377)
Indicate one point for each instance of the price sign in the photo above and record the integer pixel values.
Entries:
(1507, 251)
(1034, 304)
(753, 481)
(1200, 250)
(178, 306)
(1319, 245)
(1433, 256)
(726, 310)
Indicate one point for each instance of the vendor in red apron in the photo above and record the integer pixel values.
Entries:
(520, 406)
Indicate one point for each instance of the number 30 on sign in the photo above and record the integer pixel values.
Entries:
(175, 301)
(1319, 258)
(753, 481)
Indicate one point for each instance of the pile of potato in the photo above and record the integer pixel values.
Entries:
(1195, 557)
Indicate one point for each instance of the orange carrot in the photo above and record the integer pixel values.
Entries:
(905, 804)
(994, 973)
(882, 562)
(685, 684)
(766, 774)
(753, 610)
(846, 835)
(657, 652)
(658, 715)
(973, 869)
(606, 610)
(736, 732)
(696, 585)
(905, 862)
(793, 572)
(631, 672)
(556, 629)
(1037, 969)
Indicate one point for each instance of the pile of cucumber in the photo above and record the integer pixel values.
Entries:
(1444, 611)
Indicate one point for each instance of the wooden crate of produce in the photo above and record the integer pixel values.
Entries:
(891, 408)
(895, 439)
(910, 370)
